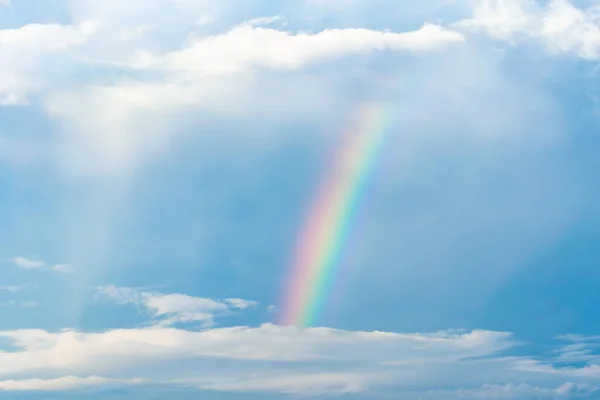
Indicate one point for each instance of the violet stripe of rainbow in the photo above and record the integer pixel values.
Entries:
(321, 243)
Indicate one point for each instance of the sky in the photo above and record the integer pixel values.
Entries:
(161, 162)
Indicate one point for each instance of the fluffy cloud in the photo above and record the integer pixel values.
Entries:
(248, 46)
(217, 74)
(27, 63)
(188, 72)
(94, 353)
(561, 26)
(280, 360)
(169, 309)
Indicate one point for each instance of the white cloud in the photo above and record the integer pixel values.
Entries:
(265, 343)
(560, 26)
(510, 391)
(151, 25)
(12, 289)
(315, 361)
(273, 309)
(63, 383)
(215, 74)
(64, 268)
(169, 309)
(28, 263)
(241, 304)
(112, 133)
(323, 384)
(248, 46)
(569, 29)
(502, 18)
(579, 338)
(26, 61)
(263, 21)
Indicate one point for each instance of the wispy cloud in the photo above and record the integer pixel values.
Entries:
(169, 309)
(28, 263)
(12, 289)
(35, 263)
(22, 304)
(64, 268)
(510, 391)
(263, 21)
(64, 383)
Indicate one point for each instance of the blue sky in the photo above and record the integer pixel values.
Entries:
(158, 157)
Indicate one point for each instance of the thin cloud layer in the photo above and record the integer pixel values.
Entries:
(216, 73)
(63, 383)
(28, 263)
(511, 391)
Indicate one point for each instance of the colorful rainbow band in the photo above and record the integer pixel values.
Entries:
(321, 242)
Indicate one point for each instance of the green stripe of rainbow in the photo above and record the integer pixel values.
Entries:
(321, 243)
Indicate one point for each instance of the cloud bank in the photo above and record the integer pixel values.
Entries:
(281, 359)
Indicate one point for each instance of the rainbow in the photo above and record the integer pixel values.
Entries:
(321, 242)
